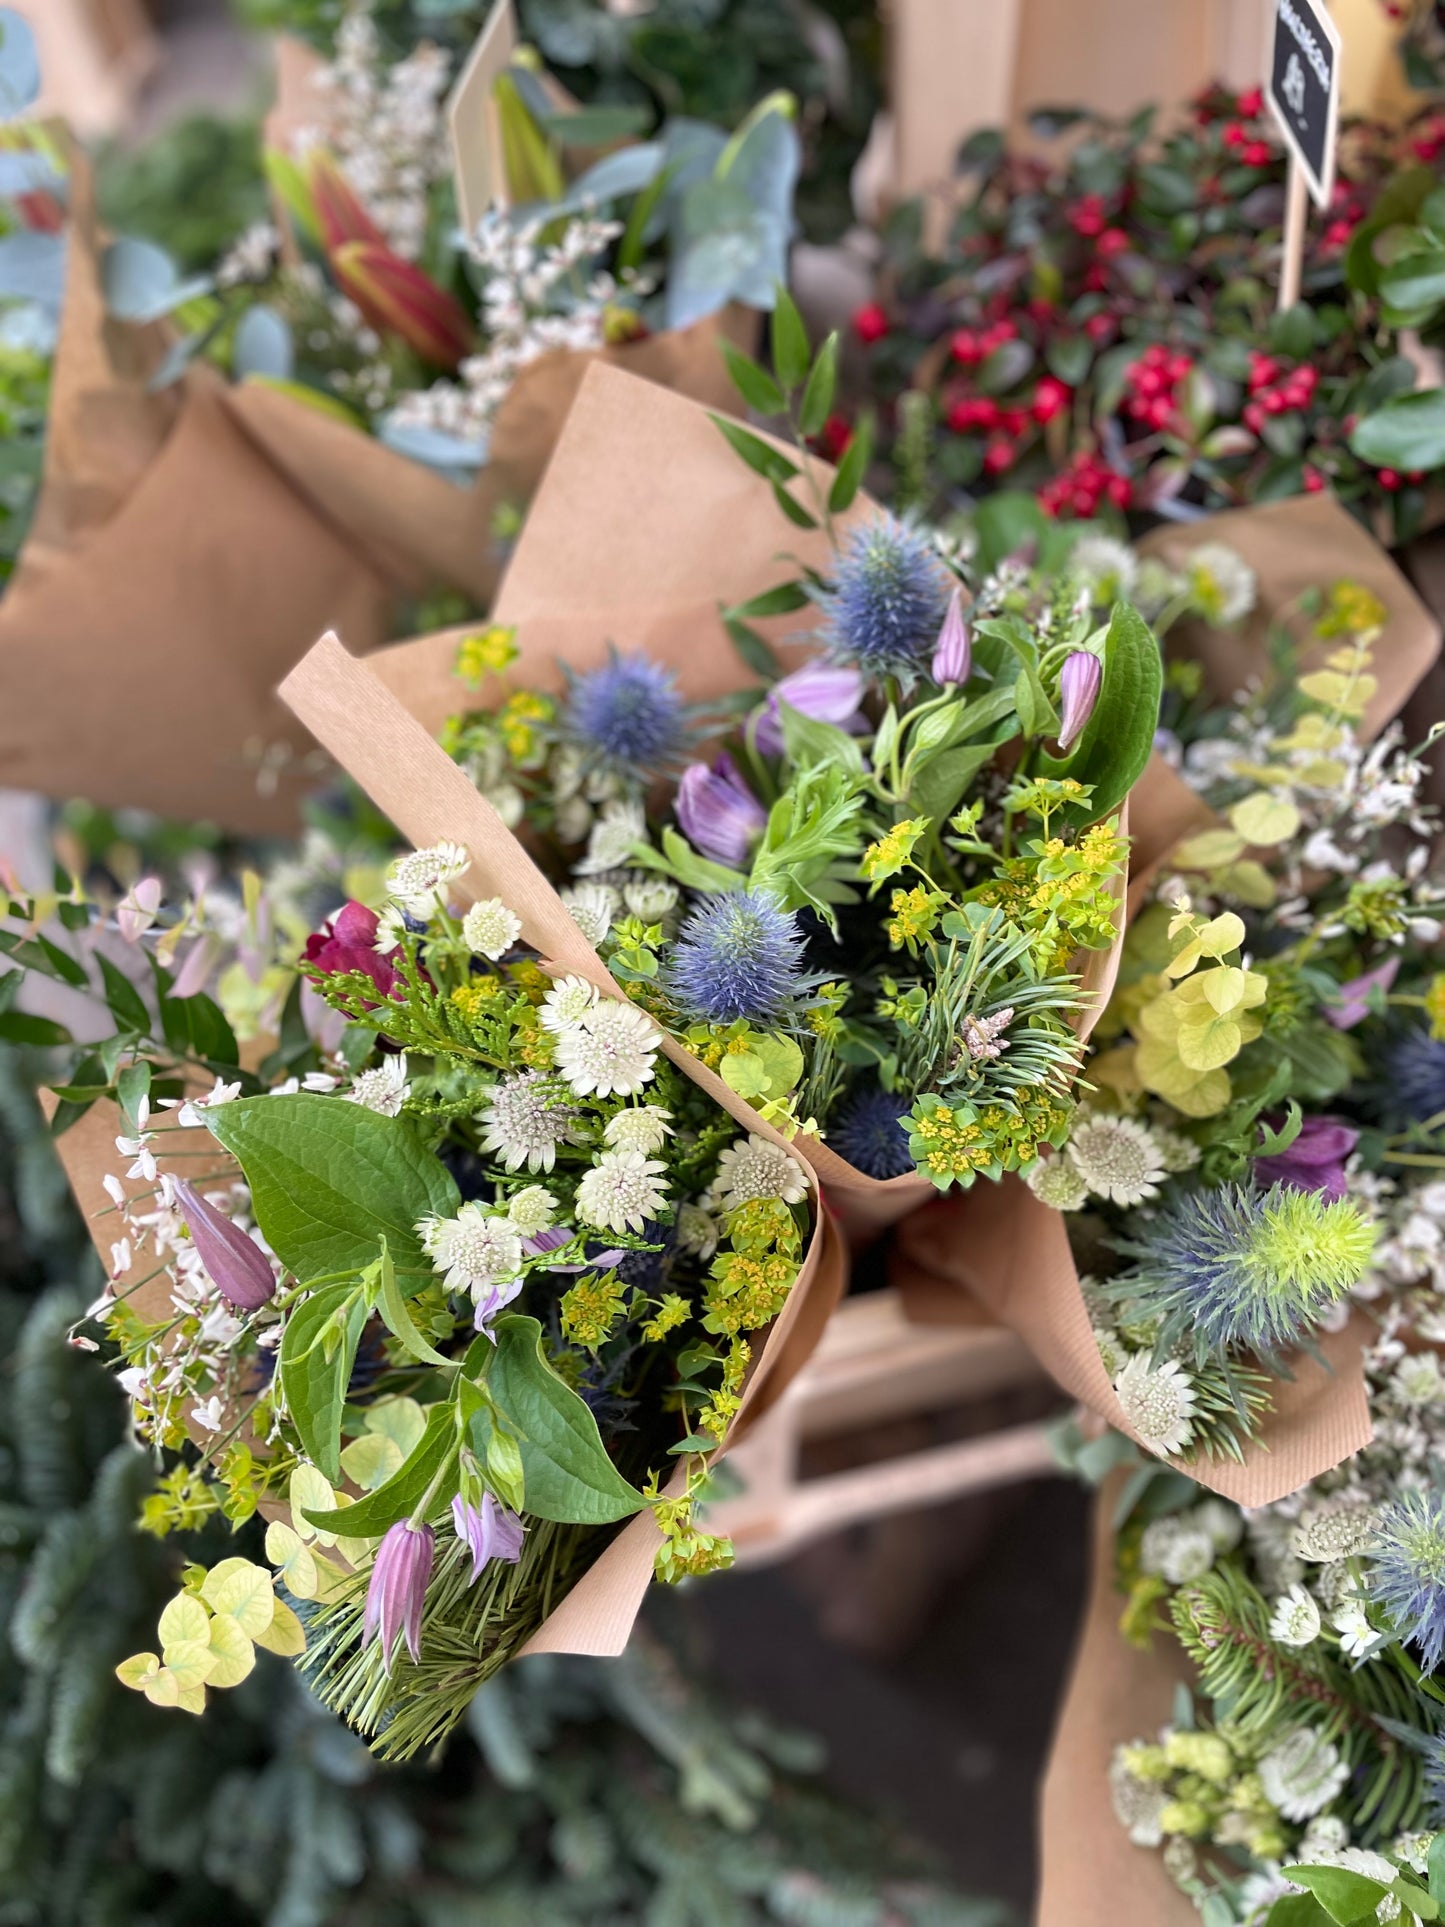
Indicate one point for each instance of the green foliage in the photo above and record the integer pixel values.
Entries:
(193, 188)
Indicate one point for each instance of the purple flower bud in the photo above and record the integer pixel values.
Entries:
(397, 1591)
(953, 653)
(1079, 684)
(1355, 999)
(821, 690)
(1315, 1161)
(719, 814)
(238, 1267)
(491, 1531)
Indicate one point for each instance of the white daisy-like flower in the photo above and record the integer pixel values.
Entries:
(1357, 1636)
(611, 1051)
(1221, 583)
(489, 929)
(384, 1089)
(1158, 1403)
(532, 1209)
(642, 1127)
(1417, 1379)
(1107, 565)
(1296, 1618)
(527, 1118)
(754, 1167)
(621, 1191)
(1116, 1157)
(653, 899)
(1301, 1774)
(1326, 1833)
(1056, 1183)
(567, 1003)
(610, 844)
(419, 882)
(697, 1230)
(591, 907)
(474, 1250)
(1176, 1549)
(1222, 1521)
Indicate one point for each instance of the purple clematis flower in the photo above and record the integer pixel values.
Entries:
(821, 690)
(236, 1264)
(397, 1591)
(490, 1530)
(1080, 681)
(1315, 1161)
(719, 814)
(953, 652)
(1354, 1000)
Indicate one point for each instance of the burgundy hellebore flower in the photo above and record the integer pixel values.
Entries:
(395, 1596)
(953, 653)
(719, 814)
(491, 1531)
(1353, 999)
(1315, 1161)
(1080, 680)
(236, 1264)
(821, 690)
(348, 942)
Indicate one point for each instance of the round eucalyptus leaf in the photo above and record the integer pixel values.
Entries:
(32, 268)
(19, 64)
(141, 282)
(449, 455)
(262, 345)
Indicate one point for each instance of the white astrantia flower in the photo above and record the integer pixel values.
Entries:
(754, 1167)
(527, 1118)
(611, 1051)
(1296, 1618)
(621, 1191)
(1116, 1157)
(572, 819)
(1333, 1531)
(419, 882)
(1357, 1636)
(1113, 1352)
(1302, 1773)
(1222, 1521)
(697, 1230)
(489, 929)
(1158, 1403)
(620, 826)
(474, 1250)
(1326, 1833)
(642, 1127)
(390, 929)
(1176, 1549)
(1138, 1803)
(1417, 1379)
(591, 908)
(651, 898)
(1176, 1152)
(384, 1089)
(1107, 565)
(567, 1003)
(508, 801)
(532, 1209)
(1056, 1183)
(1221, 583)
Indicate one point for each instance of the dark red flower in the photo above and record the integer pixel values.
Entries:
(347, 942)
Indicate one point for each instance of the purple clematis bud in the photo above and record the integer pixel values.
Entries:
(238, 1267)
(1315, 1161)
(821, 690)
(719, 814)
(491, 1531)
(953, 653)
(1079, 683)
(1354, 1000)
(397, 1591)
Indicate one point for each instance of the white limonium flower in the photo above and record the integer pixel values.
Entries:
(1296, 1618)
(489, 929)
(1221, 583)
(611, 1051)
(1301, 1774)
(475, 1251)
(1056, 1183)
(1116, 1157)
(527, 1119)
(384, 1089)
(1158, 1403)
(419, 882)
(643, 1127)
(755, 1167)
(567, 1003)
(591, 908)
(621, 1191)
(532, 1209)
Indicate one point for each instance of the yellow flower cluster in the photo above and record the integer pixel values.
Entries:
(486, 653)
(518, 720)
(591, 1308)
(890, 853)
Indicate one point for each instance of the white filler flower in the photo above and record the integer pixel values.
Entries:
(1117, 1158)
(612, 1050)
(621, 1191)
(1158, 1403)
(1296, 1619)
(490, 929)
(755, 1167)
(474, 1251)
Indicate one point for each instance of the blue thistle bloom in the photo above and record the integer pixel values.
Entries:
(1236, 1268)
(1406, 1571)
(739, 955)
(870, 1136)
(629, 711)
(887, 602)
(1413, 1085)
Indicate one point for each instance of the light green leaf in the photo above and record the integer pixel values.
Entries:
(237, 1589)
(399, 1497)
(370, 1461)
(232, 1650)
(318, 1350)
(285, 1635)
(1118, 738)
(294, 1562)
(185, 1618)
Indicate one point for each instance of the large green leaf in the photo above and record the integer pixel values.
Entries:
(1346, 1896)
(1407, 433)
(1119, 736)
(404, 1491)
(318, 1350)
(329, 1180)
(565, 1468)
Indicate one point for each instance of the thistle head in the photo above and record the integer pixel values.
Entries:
(870, 1135)
(1405, 1570)
(888, 600)
(738, 956)
(627, 713)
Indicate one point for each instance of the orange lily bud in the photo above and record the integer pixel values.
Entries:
(398, 299)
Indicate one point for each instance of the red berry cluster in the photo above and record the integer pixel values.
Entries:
(1082, 488)
(870, 323)
(1153, 385)
(1252, 151)
(1429, 143)
(970, 346)
(1275, 391)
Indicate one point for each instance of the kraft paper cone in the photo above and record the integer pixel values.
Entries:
(1090, 1873)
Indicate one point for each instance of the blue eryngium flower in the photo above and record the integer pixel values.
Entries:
(868, 1134)
(737, 956)
(1413, 1084)
(629, 711)
(1235, 1268)
(887, 602)
(1405, 1570)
